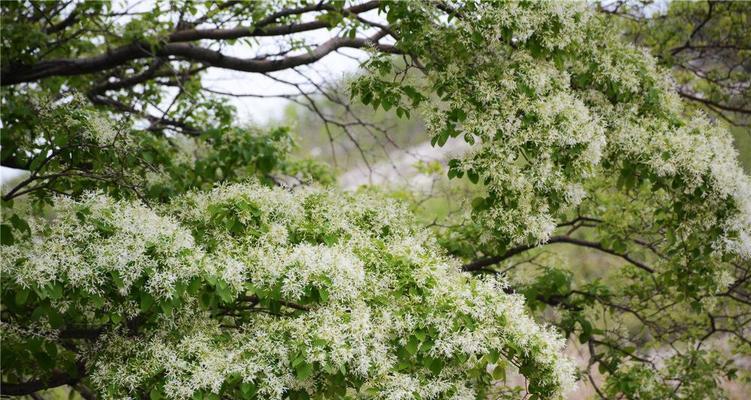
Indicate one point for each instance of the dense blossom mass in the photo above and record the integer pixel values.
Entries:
(551, 99)
(570, 127)
(273, 292)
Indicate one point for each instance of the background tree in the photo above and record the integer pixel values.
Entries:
(575, 138)
(706, 44)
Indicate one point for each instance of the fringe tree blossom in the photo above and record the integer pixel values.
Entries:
(571, 127)
(241, 291)
(249, 291)
(549, 100)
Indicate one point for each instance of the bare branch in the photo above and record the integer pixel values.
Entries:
(482, 263)
(29, 387)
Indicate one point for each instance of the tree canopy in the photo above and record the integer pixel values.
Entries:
(156, 248)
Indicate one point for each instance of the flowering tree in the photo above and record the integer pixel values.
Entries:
(706, 44)
(133, 266)
(246, 291)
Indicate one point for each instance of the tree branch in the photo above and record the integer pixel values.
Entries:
(262, 29)
(124, 54)
(480, 264)
(29, 387)
(174, 45)
(714, 104)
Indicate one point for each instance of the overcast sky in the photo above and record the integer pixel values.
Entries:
(331, 68)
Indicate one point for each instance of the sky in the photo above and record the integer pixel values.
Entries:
(333, 67)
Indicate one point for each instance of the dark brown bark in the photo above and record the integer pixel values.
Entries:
(482, 263)
(178, 45)
(29, 387)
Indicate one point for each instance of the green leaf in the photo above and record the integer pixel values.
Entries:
(116, 318)
(493, 356)
(499, 372)
(155, 394)
(35, 163)
(265, 164)
(97, 301)
(166, 307)
(224, 292)
(51, 349)
(304, 370)
(247, 389)
(44, 359)
(55, 291)
(473, 176)
(323, 293)
(298, 360)
(21, 296)
(330, 369)
(206, 298)
(55, 318)
(436, 365)
(442, 138)
(6, 237)
(146, 302)
(412, 345)
(478, 203)
(20, 224)
(38, 312)
(602, 368)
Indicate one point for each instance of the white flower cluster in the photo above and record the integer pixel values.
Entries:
(652, 129)
(397, 317)
(536, 141)
(92, 127)
(701, 157)
(553, 100)
(95, 243)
